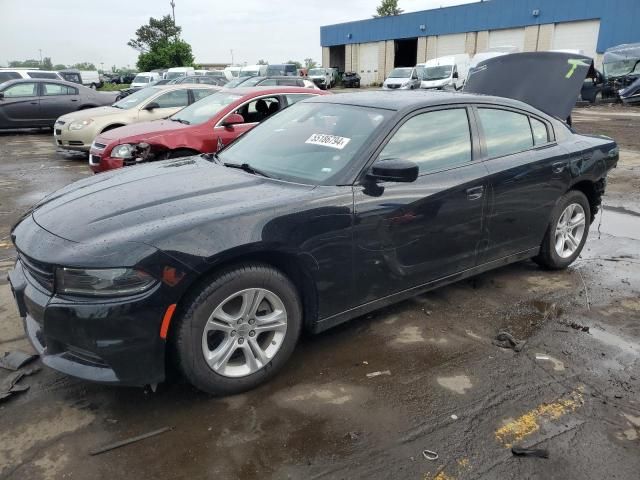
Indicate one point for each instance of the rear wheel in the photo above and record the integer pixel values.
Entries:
(567, 231)
(239, 329)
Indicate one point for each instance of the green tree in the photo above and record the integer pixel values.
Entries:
(262, 62)
(388, 8)
(46, 64)
(297, 64)
(309, 63)
(166, 54)
(84, 66)
(160, 45)
(59, 66)
(25, 64)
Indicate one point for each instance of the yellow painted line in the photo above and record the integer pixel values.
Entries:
(528, 423)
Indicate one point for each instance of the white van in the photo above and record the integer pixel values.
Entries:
(177, 72)
(231, 72)
(492, 53)
(143, 79)
(253, 71)
(16, 73)
(444, 72)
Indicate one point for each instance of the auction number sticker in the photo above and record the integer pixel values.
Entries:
(332, 141)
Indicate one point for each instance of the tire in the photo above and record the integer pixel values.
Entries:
(93, 86)
(230, 370)
(181, 152)
(559, 235)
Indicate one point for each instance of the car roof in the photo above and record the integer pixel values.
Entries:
(412, 99)
(42, 80)
(265, 90)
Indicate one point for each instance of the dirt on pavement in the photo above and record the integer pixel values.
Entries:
(440, 383)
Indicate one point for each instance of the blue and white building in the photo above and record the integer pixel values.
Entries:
(374, 46)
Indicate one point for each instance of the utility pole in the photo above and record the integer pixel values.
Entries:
(40, 50)
(102, 67)
(232, 56)
(173, 10)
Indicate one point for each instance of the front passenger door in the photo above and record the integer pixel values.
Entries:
(409, 234)
(253, 113)
(20, 106)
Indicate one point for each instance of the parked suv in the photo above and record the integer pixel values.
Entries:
(403, 78)
(17, 73)
(322, 77)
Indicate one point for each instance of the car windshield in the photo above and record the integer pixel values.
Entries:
(317, 71)
(623, 67)
(141, 79)
(437, 73)
(236, 81)
(311, 143)
(172, 75)
(252, 81)
(249, 73)
(204, 109)
(136, 98)
(400, 73)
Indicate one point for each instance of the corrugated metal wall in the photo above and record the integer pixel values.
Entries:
(619, 20)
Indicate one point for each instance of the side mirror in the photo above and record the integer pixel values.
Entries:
(151, 106)
(394, 170)
(455, 75)
(233, 119)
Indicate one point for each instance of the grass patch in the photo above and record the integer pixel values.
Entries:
(112, 87)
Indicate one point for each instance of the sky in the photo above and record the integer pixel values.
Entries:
(72, 31)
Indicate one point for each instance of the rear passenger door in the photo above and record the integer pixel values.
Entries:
(526, 178)
(409, 234)
(57, 99)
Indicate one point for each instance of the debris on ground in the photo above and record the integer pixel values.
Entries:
(454, 417)
(577, 326)
(506, 340)
(10, 385)
(530, 452)
(129, 441)
(430, 455)
(352, 436)
(16, 360)
(377, 374)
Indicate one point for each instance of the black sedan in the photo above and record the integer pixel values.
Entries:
(351, 80)
(33, 103)
(336, 206)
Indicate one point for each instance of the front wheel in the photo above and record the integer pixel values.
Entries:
(567, 231)
(239, 329)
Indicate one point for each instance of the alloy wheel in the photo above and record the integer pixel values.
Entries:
(569, 230)
(244, 332)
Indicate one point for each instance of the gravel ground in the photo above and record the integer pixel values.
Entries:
(444, 386)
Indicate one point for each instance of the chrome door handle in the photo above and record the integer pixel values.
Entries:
(475, 193)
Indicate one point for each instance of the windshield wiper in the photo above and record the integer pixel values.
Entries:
(180, 120)
(247, 168)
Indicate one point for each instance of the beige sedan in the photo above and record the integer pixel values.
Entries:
(76, 131)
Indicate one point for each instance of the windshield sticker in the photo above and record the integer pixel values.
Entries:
(331, 141)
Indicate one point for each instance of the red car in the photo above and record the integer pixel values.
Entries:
(203, 127)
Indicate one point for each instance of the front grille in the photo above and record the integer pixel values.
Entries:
(60, 122)
(99, 146)
(58, 131)
(393, 86)
(76, 143)
(40, 272)
(94, 160)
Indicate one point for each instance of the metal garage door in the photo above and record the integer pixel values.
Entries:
(513, 37)
(450, 44)
(368, 63)
(577, 36)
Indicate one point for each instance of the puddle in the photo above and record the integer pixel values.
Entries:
(615, 341)
(618, 222)
(459, 384)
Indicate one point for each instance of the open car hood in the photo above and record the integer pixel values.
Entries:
(548, 81)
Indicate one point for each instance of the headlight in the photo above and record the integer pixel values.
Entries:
(80, 124)
(102, 282)
(122, 151)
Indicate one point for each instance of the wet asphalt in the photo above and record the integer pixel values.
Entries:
(365, 399)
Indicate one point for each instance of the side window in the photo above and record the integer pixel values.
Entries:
(295, 98)
(22, 90)
(540, 133)
(286, 82)
(269, 82)
(50, 89)
(176, 98)
(257, 110)
(200, 93)
(434, 140)
(4, 76)
(505, 132)
(48, 75)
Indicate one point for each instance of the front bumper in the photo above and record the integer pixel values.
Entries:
(113, 341)
(77, 140)
(99, 162)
